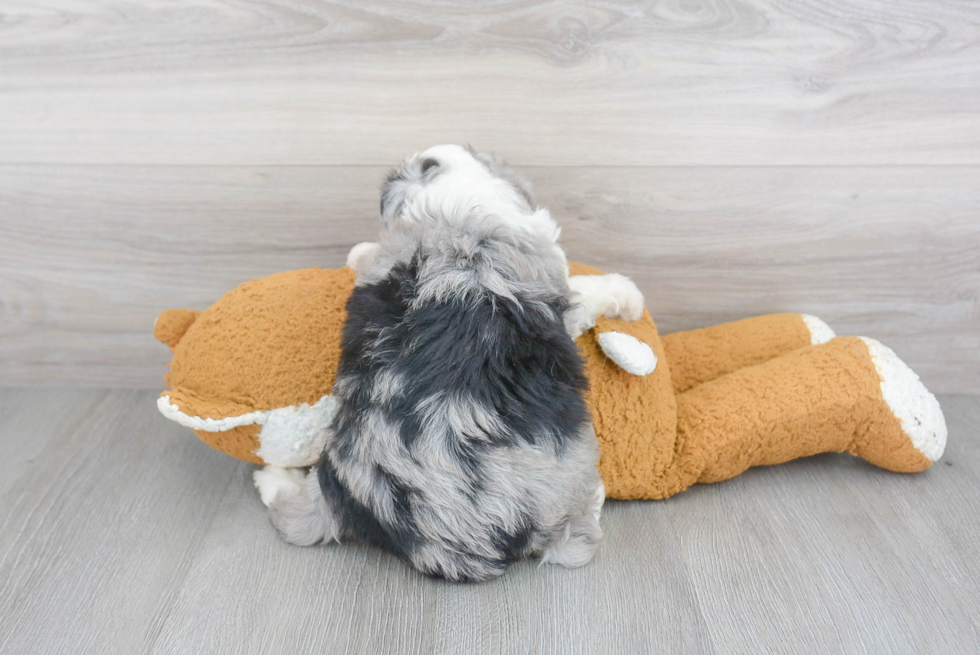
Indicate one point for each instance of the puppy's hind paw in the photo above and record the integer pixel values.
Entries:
(575, 544)
(273, 480)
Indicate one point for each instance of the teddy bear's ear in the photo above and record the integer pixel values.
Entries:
(172, 324)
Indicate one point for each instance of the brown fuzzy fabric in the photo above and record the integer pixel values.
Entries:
(266, 344)
(755, 392)
(635, 417)
(240, 442)
(817, 399)
(701, 355)
(172, 324)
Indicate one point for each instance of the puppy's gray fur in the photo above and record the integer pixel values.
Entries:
(462, 442)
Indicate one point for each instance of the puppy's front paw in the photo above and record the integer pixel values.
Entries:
(611, 295)
(624, 300)
(273, 480)
(362, 255)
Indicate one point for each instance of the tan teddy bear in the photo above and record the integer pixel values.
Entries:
(252, 377)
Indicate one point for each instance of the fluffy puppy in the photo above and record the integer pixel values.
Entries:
(461, 442)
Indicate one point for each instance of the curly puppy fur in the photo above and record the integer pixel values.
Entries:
(462, 440)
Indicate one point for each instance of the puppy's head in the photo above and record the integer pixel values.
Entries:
(453, 180)
(469, 210)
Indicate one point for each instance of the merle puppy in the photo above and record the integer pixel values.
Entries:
(461, 442)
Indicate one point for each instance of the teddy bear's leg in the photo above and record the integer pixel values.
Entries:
(849, 394)
(697, 356)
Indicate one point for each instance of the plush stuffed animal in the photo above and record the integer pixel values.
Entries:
(252, 377)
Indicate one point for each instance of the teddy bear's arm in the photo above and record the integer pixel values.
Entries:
(630, 354)
(630, 344)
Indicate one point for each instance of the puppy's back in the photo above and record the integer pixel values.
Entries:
(462, 439)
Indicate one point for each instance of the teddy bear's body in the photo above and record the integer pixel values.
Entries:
(252, 376)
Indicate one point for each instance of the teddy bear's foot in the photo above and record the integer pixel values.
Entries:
(273, 480)
(820, 332)
(921, 421)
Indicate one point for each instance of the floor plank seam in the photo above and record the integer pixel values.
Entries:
(176, 583)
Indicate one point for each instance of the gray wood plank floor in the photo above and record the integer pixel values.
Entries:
(120, 532)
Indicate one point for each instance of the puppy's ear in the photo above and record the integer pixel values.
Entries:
(398, 185)
(500, 168)
(393, 194)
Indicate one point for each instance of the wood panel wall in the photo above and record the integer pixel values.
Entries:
(735, 158)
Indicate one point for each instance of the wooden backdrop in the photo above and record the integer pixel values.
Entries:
(734, 157)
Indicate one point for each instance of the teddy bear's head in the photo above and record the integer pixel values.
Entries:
(252, 374)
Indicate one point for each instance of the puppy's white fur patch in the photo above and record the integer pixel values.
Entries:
(464, 186)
